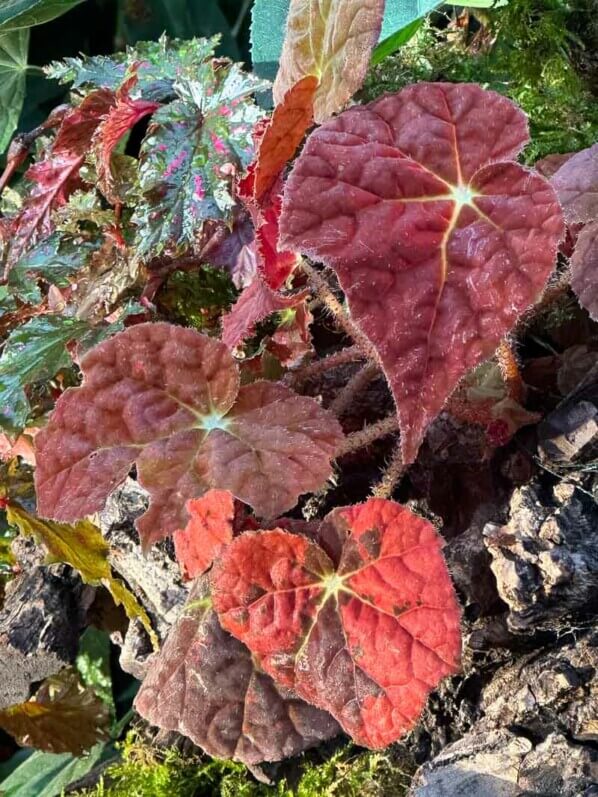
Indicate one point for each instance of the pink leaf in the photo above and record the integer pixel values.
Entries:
(205, 685)
(208, 532)
(576, 183)
(168, 399)
(363, 625)
(439, 239)
(584, 269)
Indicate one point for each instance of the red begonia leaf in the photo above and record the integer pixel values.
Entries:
(275, 266)
(584, 269)
(332, 41)
(56, 176)
(208, 532)
(363, 625)
(551, 163)
(255, 304)
(576, 184)
(439, 239)
(205, 685)
(168, 399)
(121, 118)
(289, 123)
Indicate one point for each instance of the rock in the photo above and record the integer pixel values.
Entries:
(545, 559)
(567, 431)
(40, 623)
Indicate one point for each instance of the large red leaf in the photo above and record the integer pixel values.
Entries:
(584, 269)
(363, 625)
(168, 399)
(208, 532)
(332, 41)
(56, 176)
(205, 685)
(439, 240)
(576, 183)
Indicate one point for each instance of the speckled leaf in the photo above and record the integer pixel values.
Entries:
(363, 625)
(584, 269)
(205, 685)
(193, 149)
(168, 399)
(63, 717)
(439, 239)
(208, 532)
(576, 183)
(332, 41)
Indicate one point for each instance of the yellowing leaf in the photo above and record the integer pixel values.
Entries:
(332, 40)
(83, 547)
(63, 717)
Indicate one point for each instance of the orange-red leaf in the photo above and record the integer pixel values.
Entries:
(363, 625)
(440, 240)
(333, 42)
(289, 123)
(208, 532)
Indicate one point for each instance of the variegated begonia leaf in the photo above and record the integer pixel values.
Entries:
(206, 685)
(193, 149)
(332, 41)
(364, 624)
(439, 239)
(168, 399)
(56, 176)
(208, 532)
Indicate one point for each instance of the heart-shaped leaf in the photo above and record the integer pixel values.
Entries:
(439, 239)
(168, 399)
(363, 625)
(205, 685)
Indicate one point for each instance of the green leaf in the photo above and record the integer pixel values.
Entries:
(14, 47)
(19, 14)
(54, 260)
(33, 352)
(268, 26)
(48, 774)
(392, 43)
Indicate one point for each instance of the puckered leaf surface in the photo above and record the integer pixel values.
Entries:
(208, 532)
(439, 239)
(584, 269)
(168, 399)
(205, 685)
(363, 625)
(332, 41)
(63, 717)
(576, 183)
(83, 547)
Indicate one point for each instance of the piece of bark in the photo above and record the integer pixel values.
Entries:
(154, 578)
(567, 431)
(545, 559)
(40, 623)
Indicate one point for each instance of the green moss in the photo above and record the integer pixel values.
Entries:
(529, 50)
(144, 771)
